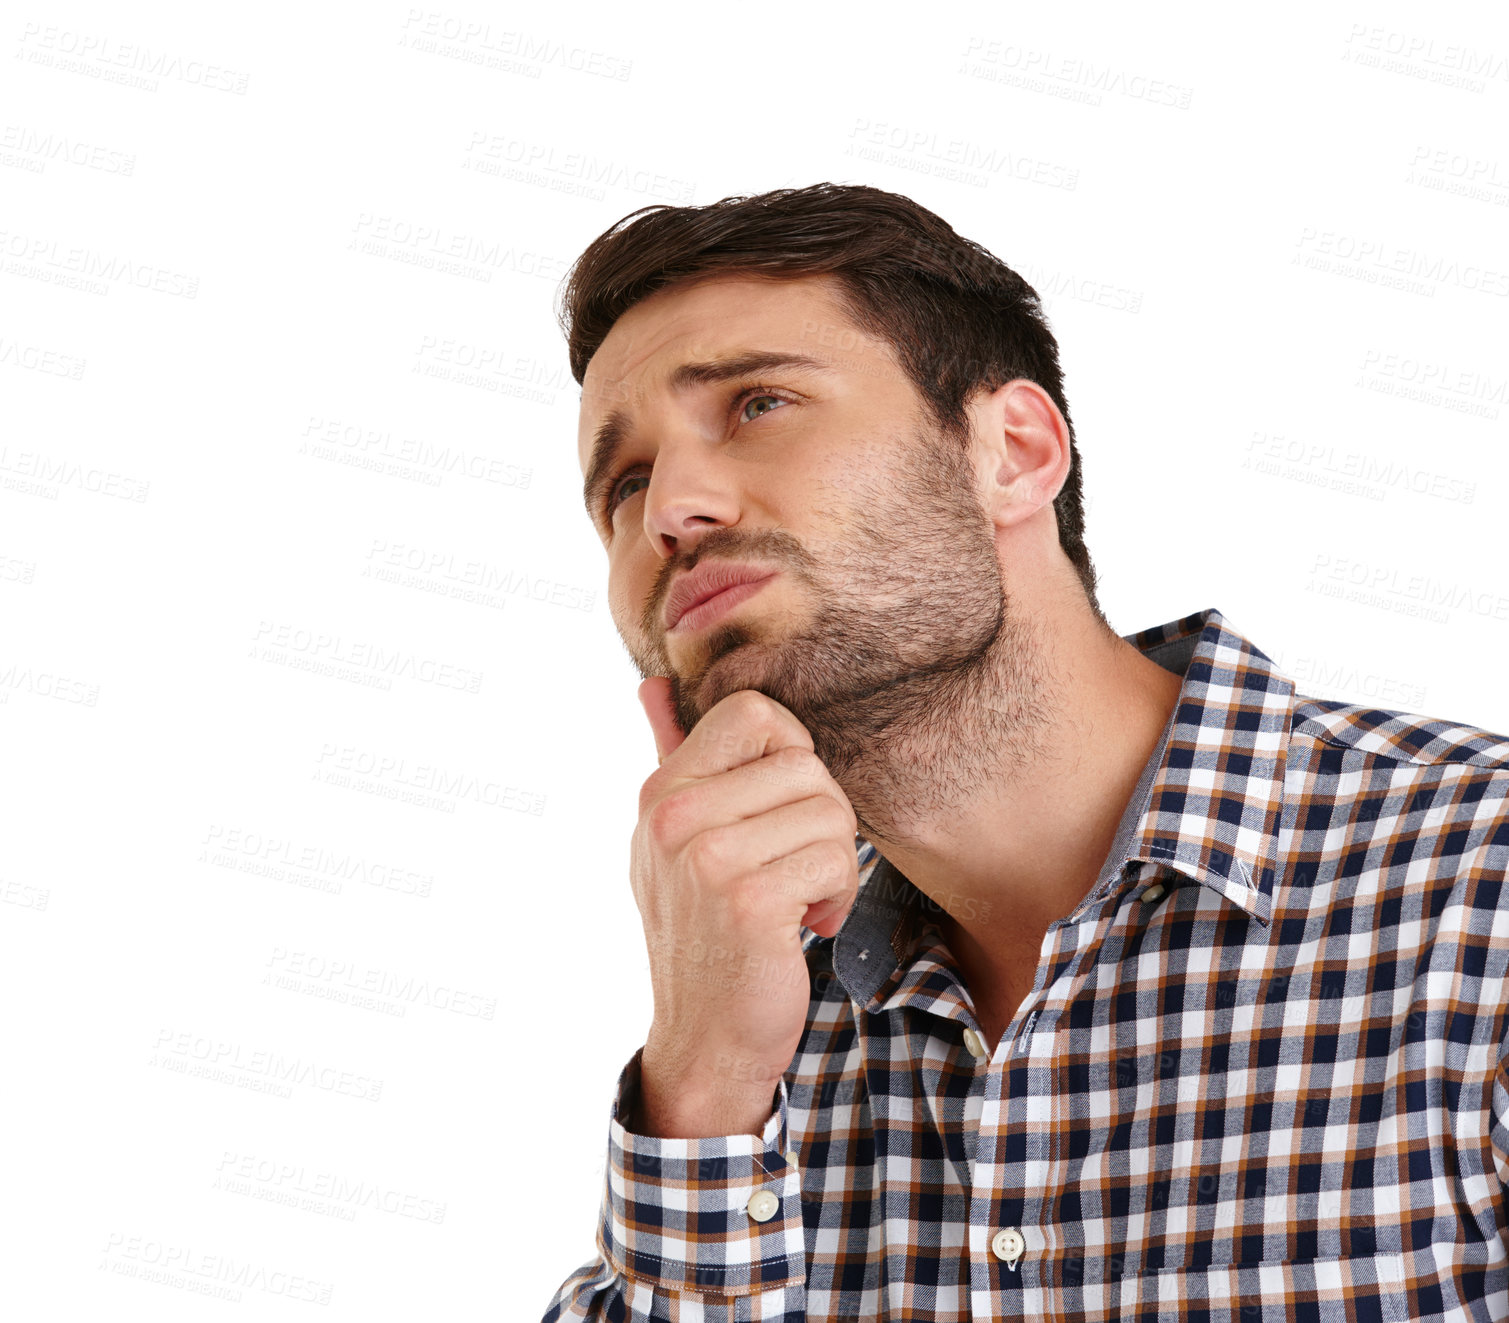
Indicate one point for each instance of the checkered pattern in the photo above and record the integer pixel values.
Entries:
(1274, 1089)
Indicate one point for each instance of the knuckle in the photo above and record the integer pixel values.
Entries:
(666, 819)
(821, 862)
(841, 852)
(799, 766)
(837, 858)
(749, 707)
(838, 815)
(754, 713)
(707, 854)
(845, 809)
(794, 758)
(747, 897)
(650, 791)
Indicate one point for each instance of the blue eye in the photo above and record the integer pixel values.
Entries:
(755, 399)
(755, 395)
(613, 500)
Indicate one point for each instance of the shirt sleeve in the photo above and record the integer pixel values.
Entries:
(707, 1229)
(1498, 1127)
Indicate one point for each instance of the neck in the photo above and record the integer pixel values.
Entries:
(996, 789)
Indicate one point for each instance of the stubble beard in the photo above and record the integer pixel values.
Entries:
(915, 678)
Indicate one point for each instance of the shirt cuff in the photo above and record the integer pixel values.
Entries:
(718, 1216)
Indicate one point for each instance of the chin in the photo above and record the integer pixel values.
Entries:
(733, 661)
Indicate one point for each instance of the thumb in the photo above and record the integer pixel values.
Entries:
(655, 697)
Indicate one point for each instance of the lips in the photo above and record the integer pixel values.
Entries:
(706, 581)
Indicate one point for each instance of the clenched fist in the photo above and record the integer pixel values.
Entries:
(743, 838)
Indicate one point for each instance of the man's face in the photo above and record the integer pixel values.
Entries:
(824, 475)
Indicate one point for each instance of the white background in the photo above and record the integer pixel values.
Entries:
(241, 445)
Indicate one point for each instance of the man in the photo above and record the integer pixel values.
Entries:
(1002, 966)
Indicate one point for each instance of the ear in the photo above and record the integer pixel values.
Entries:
(1021, 450)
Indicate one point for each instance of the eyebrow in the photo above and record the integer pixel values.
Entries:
(612, 431)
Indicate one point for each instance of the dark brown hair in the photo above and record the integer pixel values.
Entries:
(959, 319)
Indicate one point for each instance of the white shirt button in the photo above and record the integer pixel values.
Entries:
(762, 1206)
(791, 1156)
(1153, 894)
(974, 1045)
(1007, 1245)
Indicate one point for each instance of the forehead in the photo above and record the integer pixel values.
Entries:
(716, 317)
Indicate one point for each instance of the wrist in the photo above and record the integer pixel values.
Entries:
(677, 1099)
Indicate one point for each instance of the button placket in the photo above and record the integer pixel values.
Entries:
(1024, 1034)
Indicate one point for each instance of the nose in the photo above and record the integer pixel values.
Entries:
(690, 493)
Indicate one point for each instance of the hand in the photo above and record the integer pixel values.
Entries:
(743, 839)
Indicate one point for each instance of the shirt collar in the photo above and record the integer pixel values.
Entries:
(1210, 813)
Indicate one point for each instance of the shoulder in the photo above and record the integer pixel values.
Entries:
(1396, 805)
(1386, 735)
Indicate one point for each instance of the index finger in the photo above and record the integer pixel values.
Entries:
(738, 729)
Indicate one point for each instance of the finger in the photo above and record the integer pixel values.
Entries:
(826, 880)
(785, 776)
(655, 698)
(720, 856)
(740, 728)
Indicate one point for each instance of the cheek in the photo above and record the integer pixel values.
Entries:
(830, 471)
(628, 586)
(618, 606)
(847, 476)
(831, 492)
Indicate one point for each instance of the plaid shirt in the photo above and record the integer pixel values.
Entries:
(1260, 1075)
